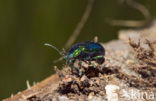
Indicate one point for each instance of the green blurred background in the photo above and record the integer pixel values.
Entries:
(25, 25)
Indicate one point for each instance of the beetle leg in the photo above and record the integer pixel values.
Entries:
(80, 72)
(101, 67)
(79, 68)
(92, 63)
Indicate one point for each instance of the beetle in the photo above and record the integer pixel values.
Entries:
(83, 51)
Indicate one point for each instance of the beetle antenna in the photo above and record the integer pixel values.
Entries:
(47, 44)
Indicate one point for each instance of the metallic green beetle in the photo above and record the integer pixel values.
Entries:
(84, 51)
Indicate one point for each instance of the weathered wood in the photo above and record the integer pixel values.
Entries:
(119, 55)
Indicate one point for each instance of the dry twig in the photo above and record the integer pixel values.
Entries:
(132, 23)
(80, 24)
